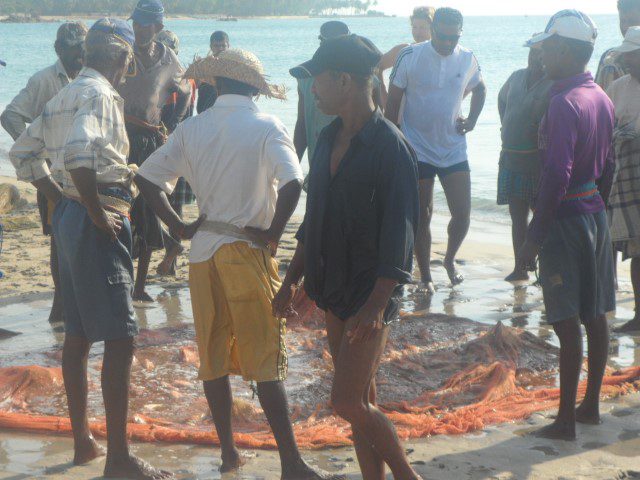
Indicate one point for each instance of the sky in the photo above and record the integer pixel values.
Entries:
(501, 7)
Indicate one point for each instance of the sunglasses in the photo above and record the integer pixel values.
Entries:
(447, 38)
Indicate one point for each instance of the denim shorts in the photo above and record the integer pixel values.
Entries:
(576, 269)
(428, 171)
(95, 275)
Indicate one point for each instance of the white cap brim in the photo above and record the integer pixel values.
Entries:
(627, 47)
(537, 39)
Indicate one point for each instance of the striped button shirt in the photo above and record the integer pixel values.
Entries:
(82, 126)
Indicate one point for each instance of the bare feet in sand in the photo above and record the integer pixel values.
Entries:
(134, 468)
(632, 326)
(302, 471)
(455, 276)
(87, 451)
(588, 415)
(142, 297)
(235, 461)
(166, 266)
(426, 287)
(557, 431)
(517, 276)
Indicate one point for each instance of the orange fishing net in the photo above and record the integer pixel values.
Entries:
(440, 375)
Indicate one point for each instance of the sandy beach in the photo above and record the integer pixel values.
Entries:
(504, 451)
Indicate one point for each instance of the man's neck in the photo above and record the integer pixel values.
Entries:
(571, 72)
(146, 50)
(356, 114)
(71, 73)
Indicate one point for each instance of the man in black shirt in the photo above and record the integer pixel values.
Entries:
(355, 245)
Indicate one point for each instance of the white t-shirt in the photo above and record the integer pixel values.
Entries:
(625, 95)
(435, 87)
(235, 159)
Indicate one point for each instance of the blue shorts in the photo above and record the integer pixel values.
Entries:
(576, 269)
(428, 171)
(95, 274)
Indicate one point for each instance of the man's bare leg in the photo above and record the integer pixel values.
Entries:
(220, 399)
(139, 292)
(519, 211)
(356, 365)
(423, 240)
(634, 324)
(75, 353)
(570, 335)
(457, 189)
(598, 342)
(116, 371)
(372, 465)
(56, 315)
(273, 400)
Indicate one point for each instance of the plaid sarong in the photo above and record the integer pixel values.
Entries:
(182, 194)
(624, 201)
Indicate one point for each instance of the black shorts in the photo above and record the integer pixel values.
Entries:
(427, 171)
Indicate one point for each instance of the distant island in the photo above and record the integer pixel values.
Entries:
(33, 9)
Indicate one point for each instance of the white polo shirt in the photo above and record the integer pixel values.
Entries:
(435, 87)
(235, 158)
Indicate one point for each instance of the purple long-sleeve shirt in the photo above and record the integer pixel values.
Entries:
(575, 137)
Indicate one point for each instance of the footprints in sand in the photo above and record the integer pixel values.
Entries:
(547, 450)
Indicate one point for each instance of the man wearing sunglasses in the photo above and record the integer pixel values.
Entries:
(29, 104)
(434, 77)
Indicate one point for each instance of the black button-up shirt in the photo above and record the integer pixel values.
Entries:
(360, 224)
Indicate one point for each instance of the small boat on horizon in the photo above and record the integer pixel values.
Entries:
(228, 18)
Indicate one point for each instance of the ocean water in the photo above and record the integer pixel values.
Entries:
(283, 43)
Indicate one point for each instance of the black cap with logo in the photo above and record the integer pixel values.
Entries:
(347, 53)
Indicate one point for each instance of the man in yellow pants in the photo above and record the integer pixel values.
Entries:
(246, 176)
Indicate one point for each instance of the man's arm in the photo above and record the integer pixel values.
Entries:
(502, 99)
(181, 107)
(397, 193)
(84, 180)
(300, 132)
(288, 197)
(394, 100)
(377, 93)
(13, 123)
(561, 130)
(27, 156)
(159, 203)
(478, 98)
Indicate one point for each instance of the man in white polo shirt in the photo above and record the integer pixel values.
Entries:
(435, 77)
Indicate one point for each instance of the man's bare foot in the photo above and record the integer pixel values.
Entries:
(631, 326)
(302, 471)
(588, 415)
(234, 461)
(455, 276)
(133, 468)
(142, 297)
(165, 267)
(557, 431)
(517, 276)
(426, 287)
(87, 451)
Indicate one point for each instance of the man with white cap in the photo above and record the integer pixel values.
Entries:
(624, 204)
(612, 66)
(569, 229)
(243, 168)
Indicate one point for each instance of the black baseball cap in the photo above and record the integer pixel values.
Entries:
(347, 53)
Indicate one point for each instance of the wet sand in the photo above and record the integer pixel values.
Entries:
(501, 452)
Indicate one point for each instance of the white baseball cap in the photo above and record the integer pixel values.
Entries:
(631, 41)
(569, 24)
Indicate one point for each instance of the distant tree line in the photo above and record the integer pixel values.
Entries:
(187, 7)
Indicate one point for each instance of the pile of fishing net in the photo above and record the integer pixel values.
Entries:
(439, 375)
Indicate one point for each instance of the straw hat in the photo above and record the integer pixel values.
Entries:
(238, 65)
